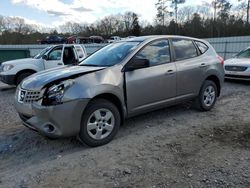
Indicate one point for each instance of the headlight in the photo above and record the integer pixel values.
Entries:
(55, 93)
(7, 67)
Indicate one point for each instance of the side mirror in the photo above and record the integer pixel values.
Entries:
(137, 64)
(45, 57)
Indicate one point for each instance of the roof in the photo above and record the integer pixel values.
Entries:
(152, 37)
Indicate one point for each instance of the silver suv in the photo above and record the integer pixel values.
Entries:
(121, 80)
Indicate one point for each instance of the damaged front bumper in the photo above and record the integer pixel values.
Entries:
(61, 120)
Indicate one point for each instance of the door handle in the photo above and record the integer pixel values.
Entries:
(59, 64)
(170, 72)
(203, 65)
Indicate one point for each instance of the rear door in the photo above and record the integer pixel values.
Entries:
(149, 87)
(189, 67)
(54, 58)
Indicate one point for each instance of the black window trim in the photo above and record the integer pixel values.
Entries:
(173, 51)
(170, 52)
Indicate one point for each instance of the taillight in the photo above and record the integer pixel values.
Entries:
(221, 59)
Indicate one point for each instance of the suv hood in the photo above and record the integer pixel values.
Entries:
(20, 61)
(41, 79)
(238, 62)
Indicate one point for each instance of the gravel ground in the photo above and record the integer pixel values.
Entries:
(173, 147)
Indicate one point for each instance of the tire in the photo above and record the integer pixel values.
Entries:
(100, 123)
(20, 77)
(207, 96)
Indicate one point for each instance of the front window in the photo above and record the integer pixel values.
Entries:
(55, 54)
(244, 54)
(42, 53)
(110, 55)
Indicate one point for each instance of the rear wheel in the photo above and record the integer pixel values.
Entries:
(207, 96)
(21, 76)
(100, 123)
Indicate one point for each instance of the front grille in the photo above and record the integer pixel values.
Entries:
(235, 68)
(27, 96)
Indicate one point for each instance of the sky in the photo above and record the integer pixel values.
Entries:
(52, 13)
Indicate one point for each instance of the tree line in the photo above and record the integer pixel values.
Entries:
(219, 18)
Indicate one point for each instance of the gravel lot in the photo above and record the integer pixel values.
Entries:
(173, 147)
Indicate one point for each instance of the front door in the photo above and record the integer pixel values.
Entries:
(154, 85)
(54, 58)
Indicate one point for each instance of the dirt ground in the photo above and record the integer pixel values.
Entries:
(173, 147)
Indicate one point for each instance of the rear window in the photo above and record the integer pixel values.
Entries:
(184, 49)
(201, 46)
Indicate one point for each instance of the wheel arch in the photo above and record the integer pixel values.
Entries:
(24, 71)
(216, 80)
(113, 99)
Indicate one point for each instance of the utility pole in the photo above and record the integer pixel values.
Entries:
(175, 5)
(176, 11)
(248, 7)
(214, 3)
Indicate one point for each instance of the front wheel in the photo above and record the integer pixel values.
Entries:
(22, 76)
(207, 96)
(100, 123)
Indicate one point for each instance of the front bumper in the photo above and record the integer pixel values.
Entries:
(234, 75)
(62, 120)
(7, 79)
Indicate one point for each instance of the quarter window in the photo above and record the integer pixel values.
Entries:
(184, 49)
(157, 53)
(201, 46)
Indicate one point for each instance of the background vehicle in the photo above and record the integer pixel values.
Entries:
(13, 72)
(96, 39)
(53, 39)
(114, 39)
(121, 80)
(84, 40)
(238, 68)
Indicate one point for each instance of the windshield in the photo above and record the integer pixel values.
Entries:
(244, 54)
(44, 51)
(110, 55)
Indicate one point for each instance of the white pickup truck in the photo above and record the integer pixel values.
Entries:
(13, 72)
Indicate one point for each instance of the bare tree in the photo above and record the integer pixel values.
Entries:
(130, 20)
(70, 27)
(175, 4)
(247, 8)
(185, 13)
(162, 11)
(2, 27)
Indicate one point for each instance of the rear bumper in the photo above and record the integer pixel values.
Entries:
(7, 79)
(62, 120)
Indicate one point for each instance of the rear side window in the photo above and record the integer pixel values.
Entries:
(79, 51)
(201, 46)
(184, 49)
(157, 53)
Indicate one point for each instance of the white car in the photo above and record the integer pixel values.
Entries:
(114, 39)
(238, 68)
(13, 72)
